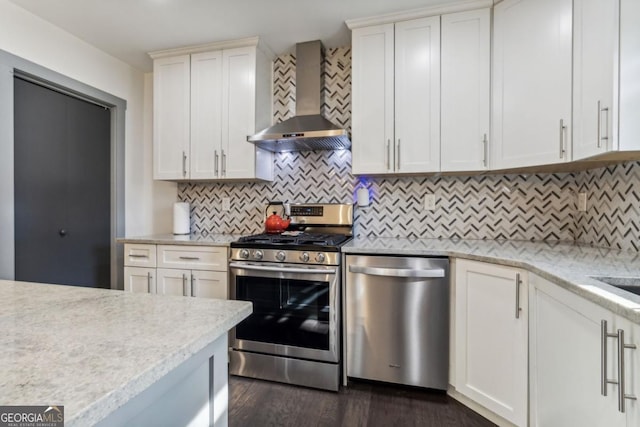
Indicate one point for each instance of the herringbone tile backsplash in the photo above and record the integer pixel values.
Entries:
(612, 218)
(519, 207)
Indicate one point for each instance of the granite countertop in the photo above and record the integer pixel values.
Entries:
(92, 350)
(183, 239)
(569, 265)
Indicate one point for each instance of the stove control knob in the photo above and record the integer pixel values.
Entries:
(320, 257)
(258, 254)
(244, 254)
(280, 256)
(304, 257)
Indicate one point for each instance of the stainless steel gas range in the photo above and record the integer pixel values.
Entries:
(293, 280)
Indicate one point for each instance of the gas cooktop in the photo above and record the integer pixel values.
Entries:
(293, 240)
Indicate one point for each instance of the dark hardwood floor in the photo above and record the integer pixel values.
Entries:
(258, 403)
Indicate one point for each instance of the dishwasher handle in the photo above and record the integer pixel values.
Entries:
(398, 272)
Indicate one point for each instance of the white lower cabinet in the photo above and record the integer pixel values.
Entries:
(140, 280)
(209, 284)
(192, 283)
(491, 364)
(174, 282)
(197, 271)
(567, 351)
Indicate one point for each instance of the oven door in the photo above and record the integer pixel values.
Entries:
(295, 309)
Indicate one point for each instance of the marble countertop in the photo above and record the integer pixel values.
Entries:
(92, 350)
(183, 239)
(569, 265)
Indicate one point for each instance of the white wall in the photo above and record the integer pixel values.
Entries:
(147, 203)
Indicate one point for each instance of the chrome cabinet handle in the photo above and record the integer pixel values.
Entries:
(215, 166)
(603, 357)
(193, 279)
(518, 283)
(397, 272)
(606, 136)
(398, 155)
(484, 150)
(224, 164)
(190, 258)
(184, 284)
(622, 396)
(184, 164)
(149, 277)
(599, 120)
(562, 129)
(387, 155)
(138, 256)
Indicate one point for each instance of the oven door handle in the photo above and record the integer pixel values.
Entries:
(397, 272)
(282, 269)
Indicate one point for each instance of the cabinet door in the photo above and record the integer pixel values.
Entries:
(171, 281)
(417, 95)
(171, 124)
(238, 113)
(206, 114)
(464, 115)
(491, 339)
(565, 350)
(372, 100)
(531, 83)
(140, 280)
(594, 46)
(209, 284)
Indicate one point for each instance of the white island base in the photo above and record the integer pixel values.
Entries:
(194, 394)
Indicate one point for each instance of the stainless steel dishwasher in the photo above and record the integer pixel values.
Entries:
(397, 319)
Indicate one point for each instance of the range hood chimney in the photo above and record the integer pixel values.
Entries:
(308, 130)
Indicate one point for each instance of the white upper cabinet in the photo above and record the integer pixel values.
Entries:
(372, 99)
(396, 97)
(417, 95)
(171, 123)
(206, 115)
(532, 77)
(606, 47)
(207, 100)
(465, 90)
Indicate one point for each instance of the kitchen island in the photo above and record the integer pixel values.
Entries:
(116, 358)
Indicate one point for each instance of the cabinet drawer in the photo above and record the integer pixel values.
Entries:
(193, 257)
(138, 255)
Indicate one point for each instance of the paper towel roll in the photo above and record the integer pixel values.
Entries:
(363, 196)
(181, 222)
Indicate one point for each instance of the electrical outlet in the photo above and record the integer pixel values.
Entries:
(226, 203)
(429, 202)
(582, 202)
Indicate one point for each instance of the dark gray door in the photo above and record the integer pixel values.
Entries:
(62, 188)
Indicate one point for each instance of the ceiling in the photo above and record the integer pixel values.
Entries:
(128, 29)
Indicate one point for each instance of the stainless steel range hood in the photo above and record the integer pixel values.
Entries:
(308, 130)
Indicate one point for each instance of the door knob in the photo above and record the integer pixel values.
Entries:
(62, 232)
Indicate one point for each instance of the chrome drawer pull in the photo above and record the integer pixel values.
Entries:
(518, 283)
(603, 357)
(622, 396)
(190, 258)
(138, 256)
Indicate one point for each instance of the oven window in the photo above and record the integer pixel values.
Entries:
(285, 311)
